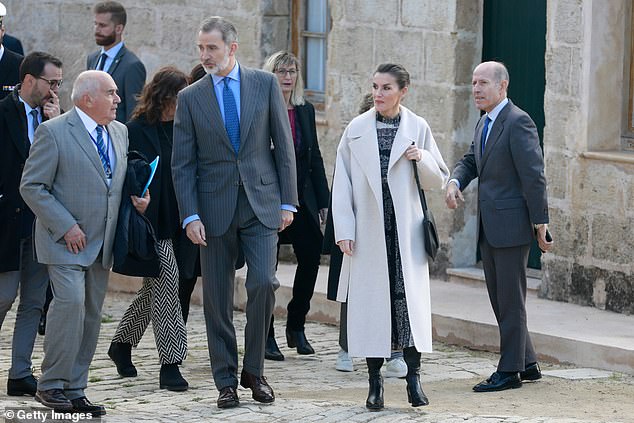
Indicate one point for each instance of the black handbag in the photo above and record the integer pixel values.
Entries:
(429, 226)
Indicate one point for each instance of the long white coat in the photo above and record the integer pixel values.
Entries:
(357, 210)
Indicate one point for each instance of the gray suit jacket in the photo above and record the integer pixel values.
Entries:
(128, 73)
(207, 172)
(512, 186)
(64, 183)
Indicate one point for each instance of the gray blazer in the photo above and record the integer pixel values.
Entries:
(64, 183)
(512, 186)
(128, 73)
(207, 172)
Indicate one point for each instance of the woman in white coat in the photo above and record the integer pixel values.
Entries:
(377, 218)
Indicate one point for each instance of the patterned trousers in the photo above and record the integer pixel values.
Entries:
(158, 301)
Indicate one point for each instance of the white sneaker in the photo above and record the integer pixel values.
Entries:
(396, 368)
(344, 362)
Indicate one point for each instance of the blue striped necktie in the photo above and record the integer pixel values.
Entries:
(485, 130)
(103, 154)
(232, 122)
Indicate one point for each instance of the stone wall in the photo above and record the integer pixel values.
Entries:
(160, 32)
(590, 180)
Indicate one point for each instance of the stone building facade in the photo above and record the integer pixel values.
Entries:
(587, 102)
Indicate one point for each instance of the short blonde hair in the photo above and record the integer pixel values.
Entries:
(281, 58)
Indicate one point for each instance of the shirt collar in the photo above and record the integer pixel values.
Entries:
(27, 107)
(234, 74)
(112, 53)
(1, 51)
(497, 109)
(88, 122)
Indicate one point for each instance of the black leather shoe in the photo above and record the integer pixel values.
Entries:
(121, 354)
(374, 402)
(24, 386)
(41, 327)
(171, 378)
(297, 338)
(55, 399)
(415, 394)
(499, 382)
(262, 391)
(532, 372)
(83, 405)
(272, 351)
(228, 397)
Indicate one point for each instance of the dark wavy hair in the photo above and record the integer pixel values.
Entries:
(159, 93)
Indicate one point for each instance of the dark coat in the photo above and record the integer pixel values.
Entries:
(16, 219)
(312, 185)
(9, 72)
(13, 44)
(144, 138)
(128, 73)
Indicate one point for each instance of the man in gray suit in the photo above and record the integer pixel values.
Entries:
(506, 158)
(234, 174)
(72, 181)
(124, 66)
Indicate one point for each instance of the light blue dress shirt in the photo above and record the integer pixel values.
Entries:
(112, 53)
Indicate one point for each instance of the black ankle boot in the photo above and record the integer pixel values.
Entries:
(375, 392)
(121, 354)
(297, 339)
(171, 378)
(415, 394)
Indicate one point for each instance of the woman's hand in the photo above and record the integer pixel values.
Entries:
(140, 204)
(413, 153)
(346, 246)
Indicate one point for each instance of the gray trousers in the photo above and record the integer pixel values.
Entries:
(72, 327)
(505, 274)
(218, 259)
(32, 279)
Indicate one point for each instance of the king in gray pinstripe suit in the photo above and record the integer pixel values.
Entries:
(234, 191)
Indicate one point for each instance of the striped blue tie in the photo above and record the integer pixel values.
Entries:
(232, 122)
(103, 154)
(485, 130)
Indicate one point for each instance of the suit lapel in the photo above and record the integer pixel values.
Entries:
(249, 87)
(19, 131)
(82, 138)
(496, 131)
(117, 60)
(118, 145)
(208, 107)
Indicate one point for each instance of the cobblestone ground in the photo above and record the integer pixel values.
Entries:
(308, 388)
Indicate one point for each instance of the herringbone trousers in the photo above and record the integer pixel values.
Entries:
(157, 300)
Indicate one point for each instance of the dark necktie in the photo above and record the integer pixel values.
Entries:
(36, 122)
(485, 130)
(103, 154)
(232, 122)
(102, 61)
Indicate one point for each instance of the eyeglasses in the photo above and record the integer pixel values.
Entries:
(53, 83)
(283, 72)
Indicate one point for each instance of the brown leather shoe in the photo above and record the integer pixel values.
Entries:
(55, 399)
(228, 397)
(262, 392)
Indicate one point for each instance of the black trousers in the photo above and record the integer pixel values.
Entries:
(306, 239)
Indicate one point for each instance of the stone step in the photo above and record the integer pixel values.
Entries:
(474, 276)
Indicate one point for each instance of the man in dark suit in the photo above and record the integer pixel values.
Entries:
(9, 62)
(73, 181)
(506, 158)
(234, 192)
(34, 100)
(124, 66)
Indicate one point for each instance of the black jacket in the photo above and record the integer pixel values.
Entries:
(9, 72)
(16, 219)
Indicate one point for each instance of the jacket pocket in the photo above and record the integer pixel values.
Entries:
(268, 178)
(510, 203)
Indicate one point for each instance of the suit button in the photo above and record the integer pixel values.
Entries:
(18, 210)
(238, 161)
